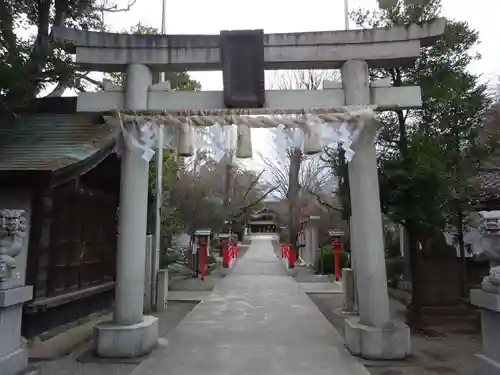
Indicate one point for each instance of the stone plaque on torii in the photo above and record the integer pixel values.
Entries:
(372, 334)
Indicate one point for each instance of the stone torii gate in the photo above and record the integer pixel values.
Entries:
(372, 334)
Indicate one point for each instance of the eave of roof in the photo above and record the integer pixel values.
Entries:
(51, 142)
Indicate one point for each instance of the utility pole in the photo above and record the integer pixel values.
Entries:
(228, 171)
(346, 14)
(164, 28)
(159, 178)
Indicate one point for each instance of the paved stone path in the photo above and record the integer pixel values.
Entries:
(257, 321)
(328, 287)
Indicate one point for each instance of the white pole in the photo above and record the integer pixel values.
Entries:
(159, 181)
(159, 202)
(346, 14)
(131, 257)
(231, 160)
(164, 28)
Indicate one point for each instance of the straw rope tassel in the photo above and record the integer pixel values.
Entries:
(185, 147)
(307, 120)
(312, 144)
(244, 142)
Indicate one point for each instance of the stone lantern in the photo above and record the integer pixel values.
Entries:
(488, 297)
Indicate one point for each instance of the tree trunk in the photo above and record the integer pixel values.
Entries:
(459, 193)
(345, 196)
(322, 261)
(464, 287)
(414, 309)
(228, 190)
(293, 193)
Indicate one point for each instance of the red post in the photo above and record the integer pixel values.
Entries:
(235, 249)
(284, 250)
(202, 249)
(336, 248)
(225, 258)
(223, 245)
(291, 258)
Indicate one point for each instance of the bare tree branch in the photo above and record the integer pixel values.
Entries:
(85, 77)
(243, 210)
(76, 82)
(324, 203)
(252, 184)
(301, 79)
(115, 8)
(278, 174)
(290, 171)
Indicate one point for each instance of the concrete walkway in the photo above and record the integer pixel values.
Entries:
(257, 321)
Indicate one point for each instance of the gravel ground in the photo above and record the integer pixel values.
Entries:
(70, 365)
(448, 348)
(307, 275)
(447, 351)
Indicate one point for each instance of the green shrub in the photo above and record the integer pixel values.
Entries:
(284, 237)
(394, 268)
(169, 258)
(328, 260)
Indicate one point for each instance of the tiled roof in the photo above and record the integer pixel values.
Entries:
(486, 184)
(52, 141)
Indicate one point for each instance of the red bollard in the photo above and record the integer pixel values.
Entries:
(202, 263)
(225, 258)
(233, 249)
(291, 258)
(284, 250)
(223, 245)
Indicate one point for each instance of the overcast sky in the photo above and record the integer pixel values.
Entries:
(275, 16)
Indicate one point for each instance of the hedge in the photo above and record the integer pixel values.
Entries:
(328, 260)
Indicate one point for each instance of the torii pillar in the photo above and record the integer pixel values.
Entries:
(373, 334)
(131, 334)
